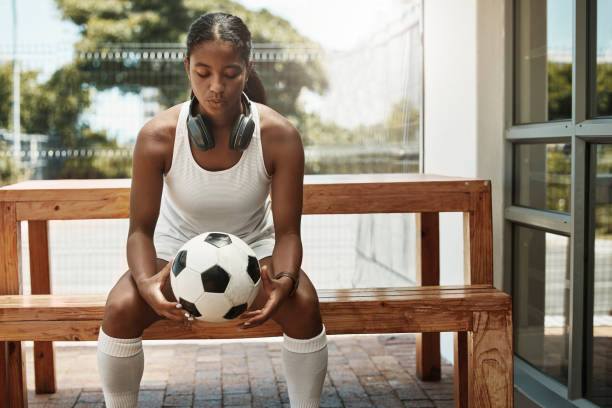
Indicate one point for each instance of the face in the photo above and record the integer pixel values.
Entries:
(217, 75)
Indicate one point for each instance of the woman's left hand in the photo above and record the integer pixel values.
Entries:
(277, 291)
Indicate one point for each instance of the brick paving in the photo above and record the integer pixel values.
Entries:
(363, 371)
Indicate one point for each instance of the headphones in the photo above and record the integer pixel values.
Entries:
(241, 135)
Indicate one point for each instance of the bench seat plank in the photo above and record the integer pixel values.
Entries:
(344, 311)
(427, 298)
(356, 323)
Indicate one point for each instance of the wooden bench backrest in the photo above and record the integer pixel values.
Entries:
(44, 200)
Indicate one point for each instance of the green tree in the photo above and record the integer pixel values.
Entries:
(559, 91)
(109, 162)
(9, 172)
(402, 118)
(29, 90)
(558, 172)
(604, 90)
(6, 94)
(53, 108)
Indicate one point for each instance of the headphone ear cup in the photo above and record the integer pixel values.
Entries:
(199, 134)
(242, 132)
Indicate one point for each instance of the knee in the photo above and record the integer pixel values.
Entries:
(306, 303)
(122, 318)
(300, 317)
(307, 294)
(118, 307)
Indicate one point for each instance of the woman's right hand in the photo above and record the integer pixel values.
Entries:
(151, 291)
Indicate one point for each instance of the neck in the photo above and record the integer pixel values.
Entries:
(223, 121)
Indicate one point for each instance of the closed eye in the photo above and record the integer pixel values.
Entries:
(227, 76)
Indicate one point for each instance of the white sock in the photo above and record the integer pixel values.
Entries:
(120, 365)
(305, 363)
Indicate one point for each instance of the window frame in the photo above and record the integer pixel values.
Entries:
(581, 131)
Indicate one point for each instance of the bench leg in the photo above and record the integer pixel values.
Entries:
(44, 358)
(491, 374)
(428, 274)
(3, 375)
(12, 361)
(461, 370)
(44, 367)
(17, 395)
(428, 356)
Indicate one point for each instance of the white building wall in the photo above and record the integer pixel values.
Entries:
(463, 115)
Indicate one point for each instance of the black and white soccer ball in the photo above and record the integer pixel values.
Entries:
(215, 276)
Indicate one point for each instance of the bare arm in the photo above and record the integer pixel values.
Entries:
(145, 196)
(287, 191)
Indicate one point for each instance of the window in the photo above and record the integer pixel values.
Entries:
(542, 176)
(599, 288)
(543, 69)
(541, 300)
(601, 60)
(560, 210)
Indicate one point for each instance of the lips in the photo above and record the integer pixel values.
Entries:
(216, 103)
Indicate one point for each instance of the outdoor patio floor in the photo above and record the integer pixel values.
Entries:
(363, 371)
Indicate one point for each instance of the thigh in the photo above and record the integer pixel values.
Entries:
(126, 313)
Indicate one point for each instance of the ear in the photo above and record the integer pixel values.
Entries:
(186, 63)
(249, 69)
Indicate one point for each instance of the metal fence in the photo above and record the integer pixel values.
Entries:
(362, 106)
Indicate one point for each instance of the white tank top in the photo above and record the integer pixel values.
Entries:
(195, 200)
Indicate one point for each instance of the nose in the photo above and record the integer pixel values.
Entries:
(216, 85)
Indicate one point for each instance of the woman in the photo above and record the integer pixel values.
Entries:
(182, 186)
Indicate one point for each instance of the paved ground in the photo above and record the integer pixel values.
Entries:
(363, 371)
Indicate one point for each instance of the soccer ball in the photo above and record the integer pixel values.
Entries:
(215, 276)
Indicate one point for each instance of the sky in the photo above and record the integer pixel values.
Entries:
(324, 27)
(358, 20)
(44, 24)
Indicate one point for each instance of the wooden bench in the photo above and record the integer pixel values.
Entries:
(479, 314)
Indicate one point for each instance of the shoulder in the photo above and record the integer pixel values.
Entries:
(280, 140)
(156, 137)
(276, 129)
(161, 128)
